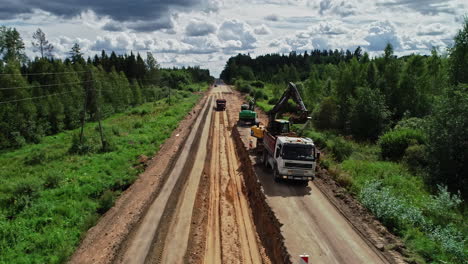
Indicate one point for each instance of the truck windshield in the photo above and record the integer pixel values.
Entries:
(298, 152)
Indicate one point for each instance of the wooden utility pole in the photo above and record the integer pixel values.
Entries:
(169, 95)
(86, 96)
(98, 112)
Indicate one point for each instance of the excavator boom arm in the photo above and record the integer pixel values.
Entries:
(290, 93)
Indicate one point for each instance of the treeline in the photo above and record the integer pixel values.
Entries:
(283, 68)
(45, 95)
(415, 107)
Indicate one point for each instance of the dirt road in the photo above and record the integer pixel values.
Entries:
(162, 236)
(209, 207)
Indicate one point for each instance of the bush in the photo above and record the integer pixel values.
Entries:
(340, 148)
(18, 141)
(106, 201)
(318, 138)
(137, 125)
(36, 157)
(368, 114)
(326, 114)
(80, 148)
(273, 101)
(448, 147)
(393, 144)
(416, 157)
(414, 123)
(258, 84)
(52, 180)
(259, 95)
(394, 212)
(442, 206)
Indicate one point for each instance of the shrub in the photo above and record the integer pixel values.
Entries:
(340, 148)
(52, 180)
(137, 125)
(36, 157)
(245, 88)
(80, 148)
(115, 131)
(318, 138)
(258, 84)
(441, 206)
(416, 157)
(273, 101)
(394, 212)
(259, 95)
(326, 114)
(414, 123)
(393, 144)
(106, 201)
(18, 141)
(448, 147)
(368, 114)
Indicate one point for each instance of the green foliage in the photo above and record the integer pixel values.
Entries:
(368, 115)
(459, 56)
(340, 148)
(393, 144)
(395, 212)
(447, 147)
(106, 201)
(413, 123)
(257, 84)
(416, 157)
(326, 114)
(47, 207)
(81, 147)
(318, 138)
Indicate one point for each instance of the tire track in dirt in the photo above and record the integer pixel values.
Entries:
(153, 226)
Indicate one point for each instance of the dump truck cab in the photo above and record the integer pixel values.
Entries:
(220, 104)
(290, 158)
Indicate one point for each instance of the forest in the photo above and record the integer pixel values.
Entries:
(45, 95)
(395, 129)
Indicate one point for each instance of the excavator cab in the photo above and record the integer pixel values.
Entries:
(279, 127)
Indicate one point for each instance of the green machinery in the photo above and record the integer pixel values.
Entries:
(247, 113)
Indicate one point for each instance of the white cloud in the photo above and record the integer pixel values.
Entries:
(199, 28)
(212, 30)
(238, 31)
(272, 17)
(262, 30)
(380, 34)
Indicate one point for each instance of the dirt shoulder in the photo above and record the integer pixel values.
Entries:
(102, 241)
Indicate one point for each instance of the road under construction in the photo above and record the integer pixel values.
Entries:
(205, 200)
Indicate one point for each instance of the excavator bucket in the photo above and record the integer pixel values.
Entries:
(299, 119)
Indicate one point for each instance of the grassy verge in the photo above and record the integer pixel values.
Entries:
(432, 225)
(50, 198)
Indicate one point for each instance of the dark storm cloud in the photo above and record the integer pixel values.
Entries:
(118, 10)
(425, 7)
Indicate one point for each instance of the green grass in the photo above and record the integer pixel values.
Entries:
(432, 225)
(50, 198)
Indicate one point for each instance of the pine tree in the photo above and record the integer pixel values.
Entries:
(41, 44)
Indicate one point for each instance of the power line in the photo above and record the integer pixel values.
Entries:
(32, 98)
(45, 85)
(39, 73)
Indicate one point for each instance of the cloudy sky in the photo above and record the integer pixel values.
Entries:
(208, 32)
